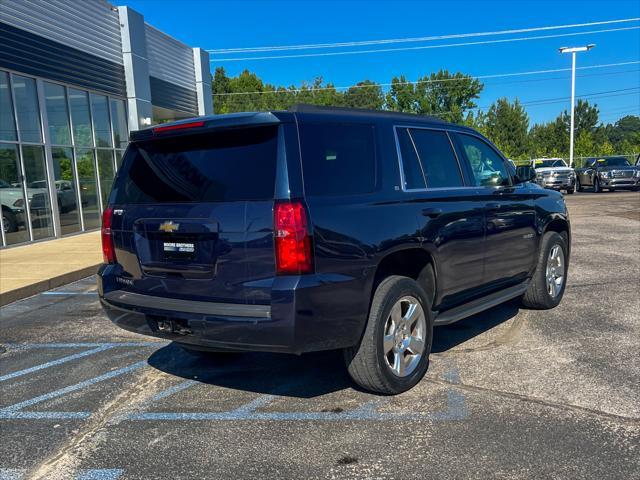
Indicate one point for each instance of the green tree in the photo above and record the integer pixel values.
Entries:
(584, 145)
(507, 125)
(446, 95)
(401, 96)
(585, 117)
(549, 139)
(365, 94)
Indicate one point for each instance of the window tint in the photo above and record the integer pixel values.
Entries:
(338, 159)
(437, 158)
(57, 114)
(7, 123)
(412, 170)
(24, 90)
(231, 165)
(488, 168)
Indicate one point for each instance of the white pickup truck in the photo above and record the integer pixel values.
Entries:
(555, 174)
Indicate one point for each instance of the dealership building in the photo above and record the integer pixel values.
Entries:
(75, 78)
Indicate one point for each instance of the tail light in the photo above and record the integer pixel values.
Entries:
(292, 240)
(108, 250)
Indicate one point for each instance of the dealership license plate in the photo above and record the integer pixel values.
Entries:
(179, 250)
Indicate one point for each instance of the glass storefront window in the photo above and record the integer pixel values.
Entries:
(88, 188)
(28, 113)
(80, 118)
(14, 220)
(65, 180)
(101, 125)
(57, 114)
(35, 174)
(7, 122)
(119, 123)
(86, 135)
(106, 173)
(119, 155)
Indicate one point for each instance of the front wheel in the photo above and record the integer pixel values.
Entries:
(393, 354)
(550, 277)
(570, 191)
(578, 184)
(596, 186)
(9, 223)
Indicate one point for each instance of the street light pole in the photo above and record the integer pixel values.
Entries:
(573, 51)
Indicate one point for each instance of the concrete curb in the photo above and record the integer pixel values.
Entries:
(44, 285)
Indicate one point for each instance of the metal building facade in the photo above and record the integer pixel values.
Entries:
(75, 78)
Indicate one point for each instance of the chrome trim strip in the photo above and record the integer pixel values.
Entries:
(123, 298)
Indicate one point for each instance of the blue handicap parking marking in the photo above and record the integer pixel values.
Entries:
(84, 474)
(454, 409)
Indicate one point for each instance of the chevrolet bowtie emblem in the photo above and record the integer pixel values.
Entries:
(168, 226)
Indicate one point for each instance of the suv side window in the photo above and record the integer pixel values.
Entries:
(437, 157)
(413, 174)
(487, 167)
(338, 159)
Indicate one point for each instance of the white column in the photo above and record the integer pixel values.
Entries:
(573, 101)
(136, 68)
(203, 81)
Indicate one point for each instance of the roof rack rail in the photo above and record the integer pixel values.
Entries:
(308, 108)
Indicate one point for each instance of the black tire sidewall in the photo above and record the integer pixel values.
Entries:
(402, 286)
(550, 239)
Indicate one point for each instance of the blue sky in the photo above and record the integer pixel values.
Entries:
(215, 25)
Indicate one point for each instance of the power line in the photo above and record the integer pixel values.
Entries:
(424, 47)
(411, 39)
(417, 82)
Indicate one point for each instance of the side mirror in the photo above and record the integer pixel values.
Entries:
(525, 173)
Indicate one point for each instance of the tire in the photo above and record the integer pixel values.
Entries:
(612, 190)
(367, 362)
(538, 295)
(578, 185)
(9, 222)
(596, 186)
(570, 191)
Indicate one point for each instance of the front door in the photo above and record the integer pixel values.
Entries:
(511, 240)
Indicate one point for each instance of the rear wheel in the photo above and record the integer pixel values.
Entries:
(550, 277)
(393, 354)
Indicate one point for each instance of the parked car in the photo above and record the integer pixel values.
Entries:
(12, 201)
(324, 228)
(555, 174)
(608, 172)
(638, 161)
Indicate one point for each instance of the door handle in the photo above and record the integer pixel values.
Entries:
(432, 212)
(493, 206)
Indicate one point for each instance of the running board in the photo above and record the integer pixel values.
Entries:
(479, 305)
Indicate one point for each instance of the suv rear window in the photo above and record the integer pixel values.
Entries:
(338, 159)
(227, 165)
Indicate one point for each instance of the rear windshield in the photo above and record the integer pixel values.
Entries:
(228, 165)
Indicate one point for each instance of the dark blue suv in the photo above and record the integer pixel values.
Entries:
(324, 228)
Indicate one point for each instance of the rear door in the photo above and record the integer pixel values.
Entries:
(193, 215)
(511, 238)
(451, 220)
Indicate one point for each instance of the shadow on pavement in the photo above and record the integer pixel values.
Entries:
(448, 336)
(305, 376)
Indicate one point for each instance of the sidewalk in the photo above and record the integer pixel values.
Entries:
(31, 269)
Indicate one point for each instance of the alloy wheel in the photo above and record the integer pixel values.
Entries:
(555, 271)
(404, 336)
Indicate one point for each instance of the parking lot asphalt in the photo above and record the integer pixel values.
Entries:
(510, 393)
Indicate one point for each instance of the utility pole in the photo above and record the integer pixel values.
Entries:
(573, 51)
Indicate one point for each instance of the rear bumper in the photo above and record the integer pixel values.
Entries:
(307, 313)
